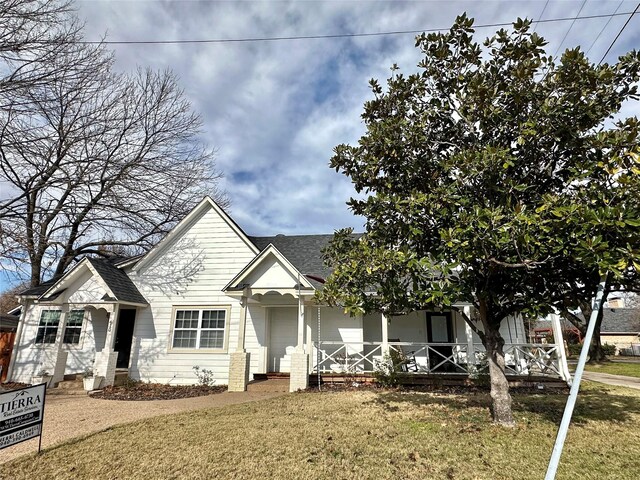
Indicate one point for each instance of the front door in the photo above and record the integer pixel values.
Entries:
(440, 330)
(283, 336)
(124, 336)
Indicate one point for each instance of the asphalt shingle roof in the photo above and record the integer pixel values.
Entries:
(303, 251)
(117, 281)
(614, 320)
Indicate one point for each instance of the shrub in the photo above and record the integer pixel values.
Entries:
(205, 377)
(608, 349)
(386, 372)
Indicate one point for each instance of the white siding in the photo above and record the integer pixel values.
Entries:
(271, 273)
(30, 358)
(191, 271)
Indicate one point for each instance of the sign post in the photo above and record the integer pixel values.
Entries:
(21, 415)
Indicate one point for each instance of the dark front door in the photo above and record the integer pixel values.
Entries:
(124, 336)
(440, 330)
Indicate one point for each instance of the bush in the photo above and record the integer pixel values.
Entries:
(386, 372)
(205, 377)
(608, 349)
(575, 348)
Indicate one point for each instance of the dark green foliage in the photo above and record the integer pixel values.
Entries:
(489, 177)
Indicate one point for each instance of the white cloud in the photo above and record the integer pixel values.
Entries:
(275, 110)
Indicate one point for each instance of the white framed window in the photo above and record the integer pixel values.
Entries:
(73, 328)
(199, 328)
(48, 327)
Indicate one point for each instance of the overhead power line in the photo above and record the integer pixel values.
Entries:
(570, 27)
(603, 29)
(619, 33)
(340, 35)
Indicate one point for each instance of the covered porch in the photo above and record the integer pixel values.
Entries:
(434, 343)
(82, 323)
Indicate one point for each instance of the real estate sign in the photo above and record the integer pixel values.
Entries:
(21, 414)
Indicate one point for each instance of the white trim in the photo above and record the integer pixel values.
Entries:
(200, 209)
(251, 266)
(71, 274)
(225, 346)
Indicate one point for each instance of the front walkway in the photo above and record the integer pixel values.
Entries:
(617, 380)
(70, 416)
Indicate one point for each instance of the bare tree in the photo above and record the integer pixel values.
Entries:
(32, 35)
(93, 159)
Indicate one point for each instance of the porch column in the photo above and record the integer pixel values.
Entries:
(300, 346)
(471, 352)
(299, 376)
(58, 363)
(385, 335)
(562, 355)
(106, 360)
(239, 360)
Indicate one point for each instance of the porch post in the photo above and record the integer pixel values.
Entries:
(242, 327)
(106, 359)
(471, 352)
(239, 360)
(300, 346)
(299, 376)
(385, 334)
(59, 360)
(562, 355)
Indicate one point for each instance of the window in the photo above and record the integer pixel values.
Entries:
(74, 327)
(199, 328)
(48, 326)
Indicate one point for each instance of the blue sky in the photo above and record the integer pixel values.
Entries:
(275, 110)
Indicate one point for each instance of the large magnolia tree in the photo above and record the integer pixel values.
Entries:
(475, 177)
(91, 161)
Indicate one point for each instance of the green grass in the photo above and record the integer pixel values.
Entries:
(616, 368)
(364, 435)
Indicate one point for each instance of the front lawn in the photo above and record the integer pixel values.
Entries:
(361, 434)
(616, 368)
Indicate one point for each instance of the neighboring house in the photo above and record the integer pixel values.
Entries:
(210, 296)
(8, 327)
(621, 327)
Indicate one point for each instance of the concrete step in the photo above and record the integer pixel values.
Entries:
(68, 387)
(270, 385)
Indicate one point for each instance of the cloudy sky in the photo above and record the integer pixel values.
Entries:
(274, 110)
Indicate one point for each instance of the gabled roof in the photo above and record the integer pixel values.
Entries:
(118, 282)
(303, 251)
(119, 285)
(250, 267)
(206, 203)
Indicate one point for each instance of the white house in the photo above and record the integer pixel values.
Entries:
(210, 296)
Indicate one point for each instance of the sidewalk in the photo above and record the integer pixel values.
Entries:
(618, 380)
(71, 416)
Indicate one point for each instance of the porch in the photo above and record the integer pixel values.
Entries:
(463, 359)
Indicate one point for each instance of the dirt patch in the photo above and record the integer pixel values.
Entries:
(437, 389)
(140, 391)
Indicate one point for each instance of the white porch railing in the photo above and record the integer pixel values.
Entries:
(451, 358)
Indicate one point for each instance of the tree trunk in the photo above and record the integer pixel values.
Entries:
(494, 343)
(596, 352)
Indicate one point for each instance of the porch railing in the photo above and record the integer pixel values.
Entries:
(452, 358)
